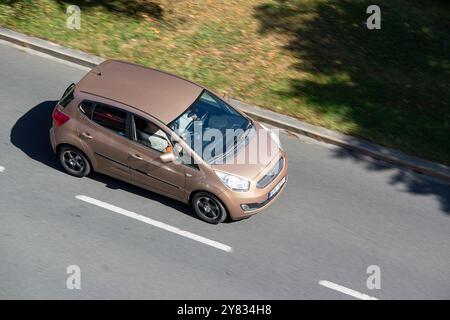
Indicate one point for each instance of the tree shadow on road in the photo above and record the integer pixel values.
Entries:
(407, 180)
(31, 135)
(392, 85)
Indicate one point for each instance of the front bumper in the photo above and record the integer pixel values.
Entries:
(257, 197)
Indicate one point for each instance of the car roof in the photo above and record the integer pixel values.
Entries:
(160, 94)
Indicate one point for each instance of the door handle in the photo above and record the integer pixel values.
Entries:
(86, 135)
(136, 156)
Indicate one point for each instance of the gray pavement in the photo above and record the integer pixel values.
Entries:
(340, 213)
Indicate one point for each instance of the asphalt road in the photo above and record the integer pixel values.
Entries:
(340, 213)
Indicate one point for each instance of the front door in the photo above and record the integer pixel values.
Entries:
(147, 170)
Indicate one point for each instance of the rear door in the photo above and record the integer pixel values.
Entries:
(147, 170)
(104, 132)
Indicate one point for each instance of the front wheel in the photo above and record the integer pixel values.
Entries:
(74, 161)
(209, 208)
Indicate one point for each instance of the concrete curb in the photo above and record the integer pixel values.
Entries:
(50, 48)
(348, 142)
(281, 121)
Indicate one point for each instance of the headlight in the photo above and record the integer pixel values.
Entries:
(233, 182)
(274, 136)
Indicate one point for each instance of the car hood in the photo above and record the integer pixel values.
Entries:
(251, 159)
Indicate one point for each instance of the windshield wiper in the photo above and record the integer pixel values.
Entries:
(245, 134)
(237, 142)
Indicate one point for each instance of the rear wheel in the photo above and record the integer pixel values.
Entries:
(74, 161)
(209, 208)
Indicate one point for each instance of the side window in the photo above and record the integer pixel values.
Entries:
(86, 108)
(110, 118)
(151, 136)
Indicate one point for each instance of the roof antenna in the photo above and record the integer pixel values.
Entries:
(97, 73)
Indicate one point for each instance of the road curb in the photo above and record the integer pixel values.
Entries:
(281, 121)
(50, 48)
(348, 142)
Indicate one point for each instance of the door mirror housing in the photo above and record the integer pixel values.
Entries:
(167, 157)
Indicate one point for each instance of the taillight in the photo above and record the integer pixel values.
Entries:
(59, 117)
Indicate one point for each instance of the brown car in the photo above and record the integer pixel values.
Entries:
(170, 136)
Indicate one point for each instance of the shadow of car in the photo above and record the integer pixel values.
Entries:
(31, 135)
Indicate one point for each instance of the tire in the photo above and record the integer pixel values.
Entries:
(216, 213)
(74, 162)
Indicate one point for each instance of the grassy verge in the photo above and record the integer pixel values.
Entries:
(312, 59)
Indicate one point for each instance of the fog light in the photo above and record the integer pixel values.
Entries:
(245, 207)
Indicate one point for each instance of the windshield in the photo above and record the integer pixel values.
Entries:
(210, 126)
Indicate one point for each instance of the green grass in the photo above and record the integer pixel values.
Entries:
(312, 59)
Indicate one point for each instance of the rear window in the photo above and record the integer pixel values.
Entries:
(110, 118)
(67, 96)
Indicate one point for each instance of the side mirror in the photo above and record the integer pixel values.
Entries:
(167, 157)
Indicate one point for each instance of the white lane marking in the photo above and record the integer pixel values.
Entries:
(155, 223)
(2, 169)
(345, 290)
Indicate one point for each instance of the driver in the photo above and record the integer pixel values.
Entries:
(152, 136)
